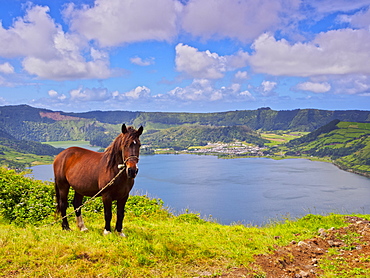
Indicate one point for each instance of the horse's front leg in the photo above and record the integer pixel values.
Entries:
(120, 215)
(107, 202)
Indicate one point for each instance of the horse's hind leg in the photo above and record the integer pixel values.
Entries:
(77, 202)
(62, 202)
(107, 202)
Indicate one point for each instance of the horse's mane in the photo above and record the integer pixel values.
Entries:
(113, 154)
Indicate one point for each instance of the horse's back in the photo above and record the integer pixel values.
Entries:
(69, 157)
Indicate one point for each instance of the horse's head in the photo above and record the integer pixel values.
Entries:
(131, 149)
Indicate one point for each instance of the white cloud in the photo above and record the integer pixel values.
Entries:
(52, 93)
(67, 68)
(31, 35)
(267, 88)
(343, 51)
(240, 75)
(141, 62)
(84, 95)
(200, 89)
(237, 60)
(47, 51)
(98, 54)
(55, 95)
(242, 20)
(247, 95)
(206, 64)
(351, 84)
(6, 68)
(314, 87)
(358, 20)
(204, 90)
(329, 6)
(199, 64)
(5, 83)
(140, 92)
(114, 22)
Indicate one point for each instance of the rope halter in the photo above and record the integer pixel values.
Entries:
(123, 166)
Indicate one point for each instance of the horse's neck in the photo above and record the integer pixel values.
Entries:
(112, 160)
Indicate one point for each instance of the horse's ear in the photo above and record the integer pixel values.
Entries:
(124, 129)
(140, 130)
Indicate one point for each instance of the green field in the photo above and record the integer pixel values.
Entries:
(280, 137)
(66, 144)
(17, 160)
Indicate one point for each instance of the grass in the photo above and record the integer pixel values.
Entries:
(160, 245)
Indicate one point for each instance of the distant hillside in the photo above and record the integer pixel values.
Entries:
(263, 118)
(186, 136)
(29, 123)
(347, 143)
(109, 117)
(18, 154)
(24, 122)
(100, 127)
(340, 135)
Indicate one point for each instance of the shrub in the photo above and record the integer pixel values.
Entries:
(192, 218)
(143, 206)
(24, 200)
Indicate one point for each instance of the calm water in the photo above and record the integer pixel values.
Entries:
(247, 190)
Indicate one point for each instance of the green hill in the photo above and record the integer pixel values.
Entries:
(347, 143)
(185, 136)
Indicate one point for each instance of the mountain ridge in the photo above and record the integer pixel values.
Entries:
(260, 119)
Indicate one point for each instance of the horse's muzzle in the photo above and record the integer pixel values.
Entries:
(132, 172)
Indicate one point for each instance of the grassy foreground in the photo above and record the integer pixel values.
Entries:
(161, 245)
(158, 243)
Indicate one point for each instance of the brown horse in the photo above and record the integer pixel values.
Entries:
(87, 172)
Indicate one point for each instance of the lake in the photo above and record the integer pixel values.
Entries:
(246, 190)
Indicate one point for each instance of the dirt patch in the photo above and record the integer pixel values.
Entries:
(349, 245)
(56, 116)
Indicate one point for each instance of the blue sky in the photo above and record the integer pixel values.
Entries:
(185, 55)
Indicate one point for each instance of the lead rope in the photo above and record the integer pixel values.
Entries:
(122, 168)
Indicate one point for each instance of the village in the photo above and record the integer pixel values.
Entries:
(235, 148)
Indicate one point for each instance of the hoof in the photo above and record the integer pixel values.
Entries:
(121, 234)
(84, 229)
(106, 232)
